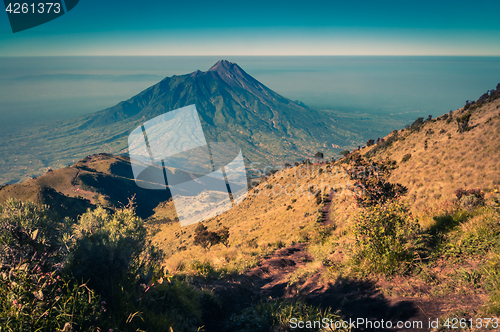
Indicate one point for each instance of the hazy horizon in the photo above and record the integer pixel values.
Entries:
(43, 89)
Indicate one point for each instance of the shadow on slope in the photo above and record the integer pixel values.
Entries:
(268, 281)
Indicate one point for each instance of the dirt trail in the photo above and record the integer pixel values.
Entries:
(267, 280)
(354, 298)
(326, 213)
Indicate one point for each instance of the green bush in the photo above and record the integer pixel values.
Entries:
(344, 153)
(168, 303)
(34, 295)
(372, 187)
(406, 157)
(470, 198)
(387, 239)
(481, 235)
(109, 247)
(31, 300)
(492, 283)
(111, 278)
(463, 123)
(29, 232)
(416, 125)
(276, 316)
(376, 191)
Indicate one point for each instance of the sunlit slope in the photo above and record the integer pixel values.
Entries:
(444, 159)
(96, 180)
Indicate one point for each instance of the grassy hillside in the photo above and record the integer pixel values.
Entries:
(443, 159)
(100, 179)
(430, 251)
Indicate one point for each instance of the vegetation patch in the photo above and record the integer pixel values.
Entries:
(388, 239)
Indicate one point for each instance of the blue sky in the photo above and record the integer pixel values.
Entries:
(271, 27)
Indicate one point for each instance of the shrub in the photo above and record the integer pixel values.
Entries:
(478, 234)
(415, 126)
(34, 295)
(31, 300)
(206, 238)
(492, 283)
(29, 232)
(470, 198)
(277, 316)
(108, 251)
(463, 123)
(169, 304)
(372, 187)
(109, 247)
(387, 238)
(384, 144)
(344, 153)
(378, 191)
(406, 157)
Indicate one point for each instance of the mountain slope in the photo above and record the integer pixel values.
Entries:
(460, 254)
(442, 159)
(459, 251)
(95, 180)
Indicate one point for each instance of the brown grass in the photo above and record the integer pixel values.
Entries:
(467, 160)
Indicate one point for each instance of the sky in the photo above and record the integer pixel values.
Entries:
(271, 27)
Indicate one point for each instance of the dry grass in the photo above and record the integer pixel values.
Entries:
(466, 160)
(281, 211)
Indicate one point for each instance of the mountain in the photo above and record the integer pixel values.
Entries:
(233, 107)
(287, 240)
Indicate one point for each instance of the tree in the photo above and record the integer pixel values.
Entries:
(415, 126)
(344, 153)
(206, 238)
(463, 123)
(319, 155)
(370, 142)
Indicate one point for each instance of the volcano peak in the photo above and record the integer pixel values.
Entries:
(224, 65)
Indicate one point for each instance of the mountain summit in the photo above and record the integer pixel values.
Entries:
(234, 75)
